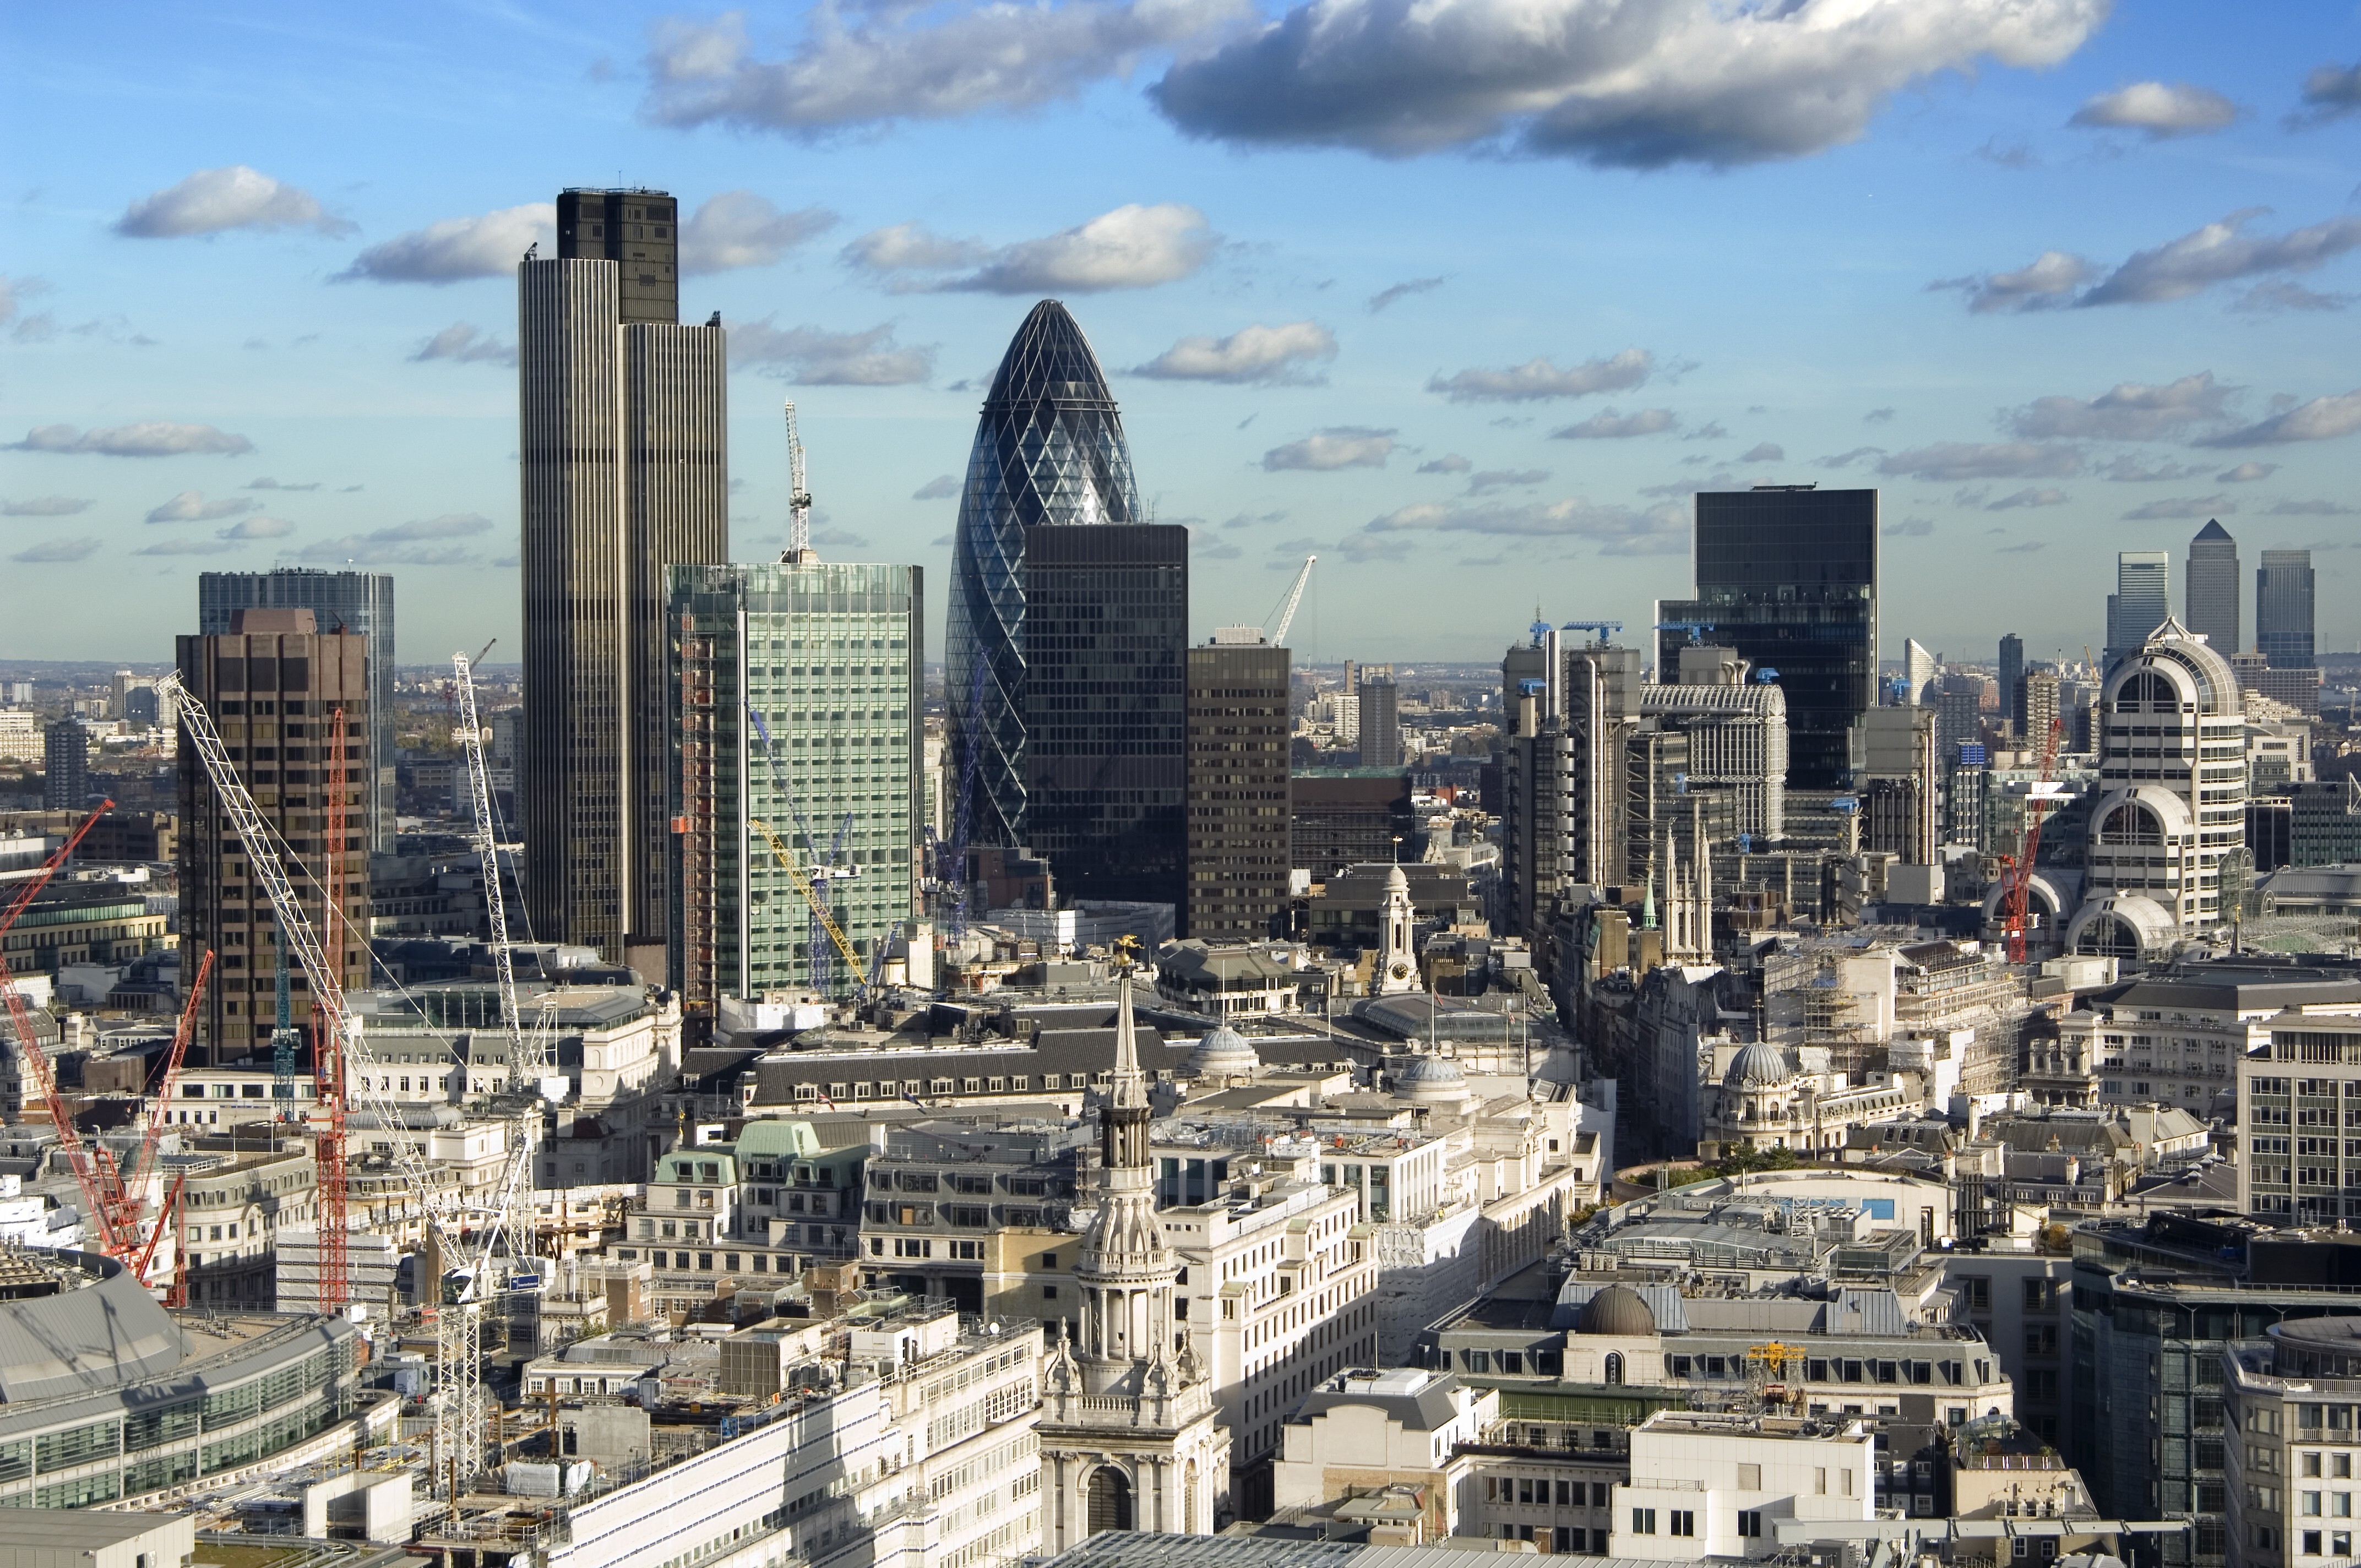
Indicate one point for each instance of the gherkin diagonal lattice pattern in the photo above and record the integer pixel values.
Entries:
(1050, 449)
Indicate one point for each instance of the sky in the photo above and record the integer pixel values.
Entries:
(1468, 297)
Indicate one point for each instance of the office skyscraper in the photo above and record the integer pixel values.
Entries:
(2213, 587)
(2283, 610)
(1105, 707)
(2141, 601)
(274, 683)
(624, 470)
(65, 763)
(1380, 720)
(1049, 452)
(1918, 670)
(358, 602)
(830, 657)
(2012, 672)
(1787, 576)
(1237, 818)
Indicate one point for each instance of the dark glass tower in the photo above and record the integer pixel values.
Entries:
(2212, 596)
(2283, 610)
(1787, 576)
(1105, 707)
(1049, 452)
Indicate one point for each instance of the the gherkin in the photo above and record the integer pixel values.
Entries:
(1049, 450)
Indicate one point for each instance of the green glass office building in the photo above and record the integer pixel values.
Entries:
(795, 694)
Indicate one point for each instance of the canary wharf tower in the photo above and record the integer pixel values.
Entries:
(1049, 453)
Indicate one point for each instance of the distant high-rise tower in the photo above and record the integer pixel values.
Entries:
(358, 602)
(1787, 576)
(1105, 707)
(2214, 587)
(624, 466)
(1237, 815)
(2141, 601)
(830, 655)
(2012, 676)
(1918, 670)
(1049, 452)
(274, 683)
(1380, 737)
(2283, 610)
(65, 761)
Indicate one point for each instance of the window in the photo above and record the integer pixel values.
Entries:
(1683, 1522)
(1643, 1521)
(1749, 1521)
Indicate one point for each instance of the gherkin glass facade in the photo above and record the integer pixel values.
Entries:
(1049, 450)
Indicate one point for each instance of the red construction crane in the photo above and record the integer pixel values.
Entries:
(2018, 888)
(79, 1155)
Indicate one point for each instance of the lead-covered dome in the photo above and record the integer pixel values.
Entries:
(1617, 1310)
(1223, 1053)
(1758, 1064)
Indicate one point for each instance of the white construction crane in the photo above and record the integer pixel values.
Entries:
(459, 1424)
(1255, 636)
(799, 549)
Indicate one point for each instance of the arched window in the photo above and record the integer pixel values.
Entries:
(1110, 1499)
(2131, 823)
(2148, 690)
(2109, 937)
(1615, 1367)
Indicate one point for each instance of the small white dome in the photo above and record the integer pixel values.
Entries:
(1760, 1062)
(1223, 1053)
(1428, 1077)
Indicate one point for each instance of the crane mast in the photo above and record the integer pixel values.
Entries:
(523, 1074)
(1294, 598)
(799, 549)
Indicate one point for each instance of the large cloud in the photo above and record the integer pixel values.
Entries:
(2160, 108)
(50, 549)
(815, 356)
(1538, 379)
(412, 544)
(1284, 353)
(1636, 85)
(2219, 252)
(2322, 419)
(190, 506)
(2330, 92)
(860, 64)
(1619, 531)
(212, 199)
(1340, 446)
(1134, 247)
(466, 345)
(1955, 460)
(2127, 411)
(457, 249)
(739, 228)
(259, 528)
(1612, 426)
(44, 505)
(152, 438)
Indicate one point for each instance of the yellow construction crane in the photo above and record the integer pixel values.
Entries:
(780, 852)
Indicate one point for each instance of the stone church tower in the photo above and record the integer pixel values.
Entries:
(1129, 1436)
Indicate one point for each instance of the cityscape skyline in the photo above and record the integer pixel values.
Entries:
(1393, 397)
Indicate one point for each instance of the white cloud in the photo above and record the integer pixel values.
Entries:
(1609, 425)
(2028, 497)
(1490, 479)
(152, 438)
(44, 505)
(1619, 531)
(1133, 247)
(259, 528)
(1252, 354)
(2219, 252)
(2129, 410)
(2246, 472)
(814, 357)
(1954, 460)
(1537, 378)
(406, 543)
(213, 200)
(2049, 279)
(939, 487)
(1341, 446)
(267, 483)
(50, 549)
(2158, 109)
(2312, 509)
(457, 249)
(2182, 507)
(1763, 451)
(2135, 470)
(466, 345)
(190, 506)
(187, 547)
(1401, 291)
(1626, 85)
(739, 228)
(2322, 419)
(1449, 462)
(868, 64)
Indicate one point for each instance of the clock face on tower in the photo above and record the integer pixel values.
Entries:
(1401, 970)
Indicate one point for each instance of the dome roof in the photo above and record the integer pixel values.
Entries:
(1395, 880)
(1431, 1076)
(1223, 1053)
(1617, 1310)
(1760, 1062)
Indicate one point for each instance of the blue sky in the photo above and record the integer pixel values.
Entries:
(1466, 296)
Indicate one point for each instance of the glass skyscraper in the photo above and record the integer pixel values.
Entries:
(2212, 599)
(358, 602)
(2283, 610)
(1787, 576)
(828, 655)
(1049, 451)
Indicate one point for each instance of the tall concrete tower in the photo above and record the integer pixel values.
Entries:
(623, 461)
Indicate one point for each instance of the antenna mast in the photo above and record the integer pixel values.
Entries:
(799, 549)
